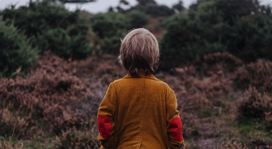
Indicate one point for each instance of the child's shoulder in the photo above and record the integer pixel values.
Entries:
(156, 82)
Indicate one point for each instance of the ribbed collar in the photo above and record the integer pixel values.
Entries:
(143, 75)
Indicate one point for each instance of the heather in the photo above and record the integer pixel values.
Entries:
(55, 101)
(214, 55)
(55, 105)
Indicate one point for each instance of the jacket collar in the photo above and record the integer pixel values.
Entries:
(142, 74)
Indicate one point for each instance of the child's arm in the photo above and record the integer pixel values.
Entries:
(174, 124)
(105, 117)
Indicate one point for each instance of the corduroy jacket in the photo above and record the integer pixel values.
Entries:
(139, 113)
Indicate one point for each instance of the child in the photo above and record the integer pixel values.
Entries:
(139, 111)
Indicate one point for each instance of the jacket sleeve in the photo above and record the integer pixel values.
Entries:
(174, 124)
(105, 118)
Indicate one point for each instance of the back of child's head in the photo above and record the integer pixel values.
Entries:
(139, 52)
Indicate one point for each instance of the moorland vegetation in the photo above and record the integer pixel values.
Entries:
(56, 65)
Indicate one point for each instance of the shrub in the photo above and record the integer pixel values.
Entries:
(9, 144)
(214, 62)
(48, 95)
(189, 127)
(137, 19)
(52, 98)
(109, 25)
(45, 23)
(146, 2)
(74, 138)
(211, 88)
(253, 104)
(195, 96)
(215, 86)
(178, 6)
(268, 118)
(15, 51)
(154, 10)
(12, 125)
(218, 26)
(195, 91)
(230, 144)
(110, 28)
(258, 74)
(64, 44)
(178, 39)
(111, 45)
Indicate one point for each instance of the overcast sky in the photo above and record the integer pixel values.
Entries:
(103, 5)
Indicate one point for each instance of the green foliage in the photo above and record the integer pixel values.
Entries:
(137, 19)
(109, 25)
(110, 28)
(178, 6)
(151, 8)
(62, 43)
(111, 45)
(73, 1)
(15, 52)
(248, 125)
(146, 2)
(46, 23)
(154, 10)
(241, 28)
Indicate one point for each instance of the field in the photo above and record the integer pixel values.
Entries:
(215, 55)
(55, 106)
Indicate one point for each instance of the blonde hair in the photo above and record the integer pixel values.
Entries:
(139, 51)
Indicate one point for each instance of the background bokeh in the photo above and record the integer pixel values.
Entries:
(56, 63)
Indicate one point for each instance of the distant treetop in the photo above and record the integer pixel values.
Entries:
(73, 1)
(145, 2)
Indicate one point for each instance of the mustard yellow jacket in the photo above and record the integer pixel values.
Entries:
(139, 113)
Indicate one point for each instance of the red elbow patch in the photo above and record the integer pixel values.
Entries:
(104, 126)
(175, 128)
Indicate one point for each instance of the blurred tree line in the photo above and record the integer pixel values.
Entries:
(242, 28)
(42, 26)
(73, 1)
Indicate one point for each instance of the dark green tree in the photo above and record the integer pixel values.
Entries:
(242, 28)
(73, 1)
(45, 24)
(149, 7)
(109, 25)
(16, 54)
(179, 6)
(110, 28)
(154, 10)
(124, 2)
(136, 19)
(146, 2)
